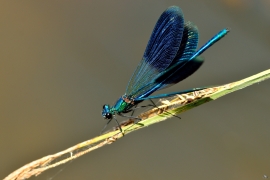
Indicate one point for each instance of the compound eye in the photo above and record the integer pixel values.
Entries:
(108, 116)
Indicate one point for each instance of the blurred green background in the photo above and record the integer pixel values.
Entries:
(60, 61)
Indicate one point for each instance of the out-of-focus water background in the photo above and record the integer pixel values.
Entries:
(60, 61)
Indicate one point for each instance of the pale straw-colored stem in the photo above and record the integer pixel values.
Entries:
(168, 108)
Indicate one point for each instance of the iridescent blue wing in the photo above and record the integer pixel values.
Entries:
(181, 66)
(186, 62)
(189, 61)
(188, 44)
(161, 50)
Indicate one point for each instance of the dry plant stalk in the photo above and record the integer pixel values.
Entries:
(38, 166)
(167, 109)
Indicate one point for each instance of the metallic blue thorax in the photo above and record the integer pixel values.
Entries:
(122, 105)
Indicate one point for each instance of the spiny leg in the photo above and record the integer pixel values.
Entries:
(105, 126)
(131, 117)
(109, 123)
(133, 110)
(118, 125)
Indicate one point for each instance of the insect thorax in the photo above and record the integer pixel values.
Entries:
(123, 104)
